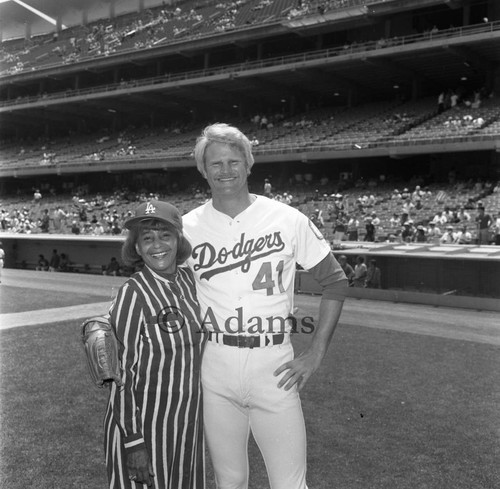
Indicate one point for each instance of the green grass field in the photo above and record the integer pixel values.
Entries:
(386, 410)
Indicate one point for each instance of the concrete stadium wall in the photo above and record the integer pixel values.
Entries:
(86, 253)
(305, 284)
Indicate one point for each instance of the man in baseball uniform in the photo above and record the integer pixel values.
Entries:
(245, 251)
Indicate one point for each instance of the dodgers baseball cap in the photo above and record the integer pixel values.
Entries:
(156, 209)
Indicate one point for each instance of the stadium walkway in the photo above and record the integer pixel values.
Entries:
(459, 324)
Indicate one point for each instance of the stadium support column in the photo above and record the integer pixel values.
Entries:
(159, 68)
(259, 51)
(42, 86)
(112, 9)
(415, 88)
(466, 15)
(496, 163)
(140, 6)
(493, 80)
(293, 105)
(493, 10)
(27, 30)
(351, 97)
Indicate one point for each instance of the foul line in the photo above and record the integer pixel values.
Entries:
(54, 315)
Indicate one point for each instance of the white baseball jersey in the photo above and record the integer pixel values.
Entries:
(245, 267)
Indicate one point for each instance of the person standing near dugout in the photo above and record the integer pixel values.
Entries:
(245, 250)
(483, 221)
(153, 424)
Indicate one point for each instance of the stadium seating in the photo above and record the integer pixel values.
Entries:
(159, 26)
(381, 124)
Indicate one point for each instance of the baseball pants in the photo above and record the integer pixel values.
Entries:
(240, 395)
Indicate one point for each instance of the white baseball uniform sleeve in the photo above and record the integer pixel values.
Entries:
(245, 266)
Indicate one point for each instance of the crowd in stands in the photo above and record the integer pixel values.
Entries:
(457, 213)
(451, 99)
(159, 25)
(390, 123)
(139, 31)
(368, 211)
(308, 7)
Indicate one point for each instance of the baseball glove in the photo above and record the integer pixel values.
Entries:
(101, 348)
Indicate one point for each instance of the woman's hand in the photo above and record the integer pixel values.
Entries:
(139, 467)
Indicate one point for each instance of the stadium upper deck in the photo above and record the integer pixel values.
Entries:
(199, 61)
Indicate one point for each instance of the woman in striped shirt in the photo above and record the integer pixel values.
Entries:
(153, 424)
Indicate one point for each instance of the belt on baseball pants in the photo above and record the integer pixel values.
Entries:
(244, 341)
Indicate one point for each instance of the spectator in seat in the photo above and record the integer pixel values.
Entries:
(360, 272)
(407, 232)
(395, 220)
(317, 219)
(441, 103)
(268, 188)
(463, 215)
(112, 268)
(75, 228)
(463, 236)
(484, 222)
(433, 233)
(42, 264)
(339, 229)
(348, 270)
(57, 218)
(37, 197)
(373, 276)
(448, 237)
(407, 206)
(55, 261)
(420, 236)
(440, 218)
(64, 264)
(98, 229)
(352, 228)
(115, 227)
(45, 221)
(396, 195)
(370, 230)
(405, 195)
(416, 197)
